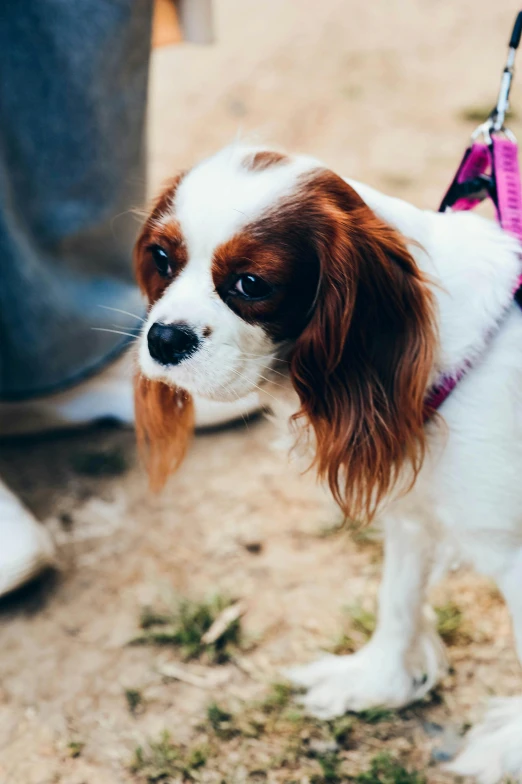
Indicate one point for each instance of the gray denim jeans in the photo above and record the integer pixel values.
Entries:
(73, 89)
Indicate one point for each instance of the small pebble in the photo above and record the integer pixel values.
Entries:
(321, 747)
(253, 547)
(449, 746)
(441, 755)
(66, 521)
(432, 729)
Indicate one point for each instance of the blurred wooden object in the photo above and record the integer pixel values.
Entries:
(196, 21)
(166, 29)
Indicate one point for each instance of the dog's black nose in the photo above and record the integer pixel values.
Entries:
(170, 344)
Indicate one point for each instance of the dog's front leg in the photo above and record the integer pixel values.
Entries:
(404, 658)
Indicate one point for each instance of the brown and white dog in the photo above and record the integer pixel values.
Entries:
(254, 262)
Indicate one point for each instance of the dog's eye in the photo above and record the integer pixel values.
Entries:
(252, 287)
(161, 260)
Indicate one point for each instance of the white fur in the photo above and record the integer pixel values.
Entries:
(467, 498)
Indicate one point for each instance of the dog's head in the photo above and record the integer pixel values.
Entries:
(253, 255)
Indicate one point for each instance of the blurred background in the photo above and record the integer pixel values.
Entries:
(384, 92)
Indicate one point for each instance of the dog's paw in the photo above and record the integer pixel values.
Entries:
(369, 679)
(493, 748)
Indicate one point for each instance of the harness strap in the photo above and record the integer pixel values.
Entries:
(463, 193)
(507, 180)
(496, 164)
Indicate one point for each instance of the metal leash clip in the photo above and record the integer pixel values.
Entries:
(495, 121)
(475, 179)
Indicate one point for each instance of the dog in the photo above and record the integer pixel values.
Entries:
(259, 265)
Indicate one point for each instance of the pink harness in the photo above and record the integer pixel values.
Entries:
(489, 169)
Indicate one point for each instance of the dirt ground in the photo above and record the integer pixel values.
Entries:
(385, 92)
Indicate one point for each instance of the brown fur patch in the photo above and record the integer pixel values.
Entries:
(265, 159)
(164, 414)
(166, 235)
(361, 367)
(164, 426)
(293, 276)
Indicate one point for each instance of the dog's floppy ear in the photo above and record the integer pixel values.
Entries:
(361, 366)
(164, 414)
(164, 426)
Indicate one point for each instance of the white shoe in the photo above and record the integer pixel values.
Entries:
(108, 395)
(26, 548)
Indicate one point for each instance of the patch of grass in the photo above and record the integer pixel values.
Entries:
(75, 748)
(296, 738)
(257, 718)
(376, 715)
(134, 699)
(163, 760)
(330, 773)
(331, 529)
(345, 644)
(294, 715)
(363, 621)
(196, 758)
(450, 623)
(277, 699)
(107, 463)
(184, 627)
(341, 730)
(275, 714)
(221, 721)
(386, 770)
(150, 617)
(365, 535)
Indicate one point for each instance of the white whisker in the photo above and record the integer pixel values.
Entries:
(256, 386)
(273, 370)
(126, 327)
(271, 359)
(265, 356)
(125, 312)
(243, 416)
(270, 381)
(116, 332)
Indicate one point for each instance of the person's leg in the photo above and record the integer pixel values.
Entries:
(72, 103)
(72, 168)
